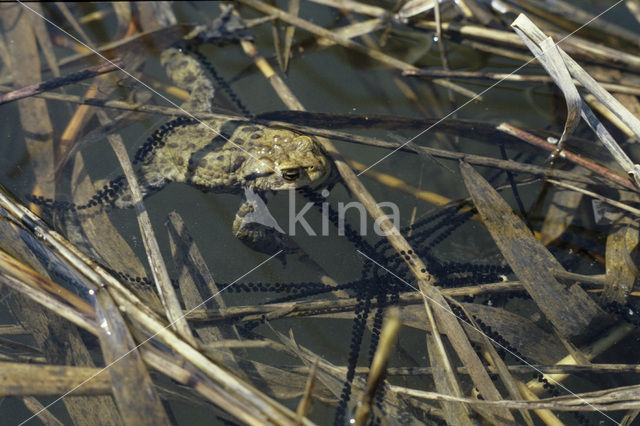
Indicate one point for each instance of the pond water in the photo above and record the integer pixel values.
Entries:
(456, 248)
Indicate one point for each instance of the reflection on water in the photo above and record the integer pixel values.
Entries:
(329, 289)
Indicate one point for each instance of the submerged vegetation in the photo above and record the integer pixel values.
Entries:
(502, 290)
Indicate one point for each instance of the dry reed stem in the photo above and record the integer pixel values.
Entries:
(158, 267)
(519, 78)
(19, 379)
(592, 194)
(305, 402)
(58, 82)
(44, 415)
(568, 155)
(30, 283)
(385, 348)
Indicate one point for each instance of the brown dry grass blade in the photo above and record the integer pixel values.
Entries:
(305, 402)
(139, 45)
(509, 381)
(34, 117)
(133, 390)
(31, 379)
(55, 83)
(560, 214)
(521, 333)
(621, 271)
(571, 312)
(41, 411)
(294, 8)
(386, 345)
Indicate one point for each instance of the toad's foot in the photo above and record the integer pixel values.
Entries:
(255, 227)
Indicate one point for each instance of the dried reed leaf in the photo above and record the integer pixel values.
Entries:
(556, 67)
(491, 354)
(623, 206)
(378, 368)
(548, 54)
(561, 12)
(412, 8)
(357, 7)
(132, 388)
(521, 333)
(39, 410)
(123, 15)
(294, 9)
(354, 30)
(606, 113)
(32, 379)
(41, 289)
(536, 36)
(608, 400)
(621, 271)
(572, 313)
(34, 117)
(305, 401)
(560, 214)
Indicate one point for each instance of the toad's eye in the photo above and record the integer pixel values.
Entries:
(291, 174)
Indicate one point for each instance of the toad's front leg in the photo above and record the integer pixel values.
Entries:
(255, 227)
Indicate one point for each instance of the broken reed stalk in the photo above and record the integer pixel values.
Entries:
(386, 345)
(305, 402)
(536, 40)
(574, 46)
(30, 283)
(568, 155)
(592, 194)
(519, 78)
(23, 379)
(563, 403)
(58, 82)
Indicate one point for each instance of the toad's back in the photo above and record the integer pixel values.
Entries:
(227, 156)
